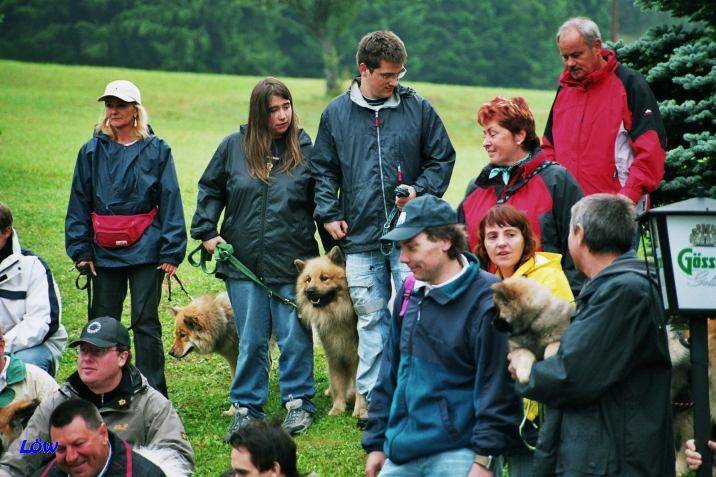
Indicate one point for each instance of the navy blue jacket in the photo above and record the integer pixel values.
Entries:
(110, 180)
(358, 150)
(443, 382)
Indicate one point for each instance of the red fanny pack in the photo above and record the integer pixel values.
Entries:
(119, 231)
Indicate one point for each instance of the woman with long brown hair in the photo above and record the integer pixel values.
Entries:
(259, 177)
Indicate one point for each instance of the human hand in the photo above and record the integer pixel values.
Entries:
(693, 458)
(168, 269)
(374, 463)
(338, 229)
(84, 265)
(479, 471)
(401, 201)
(210, 245)
(520, 367)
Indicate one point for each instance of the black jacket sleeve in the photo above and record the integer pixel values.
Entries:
(497, 405)
(567, 193)
(597, 350)
(438, 155)
(326, 170)
(79, 235)
(171, 212)
(211, 198)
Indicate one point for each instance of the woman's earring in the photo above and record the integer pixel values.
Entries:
(135, 121)
(106, 123)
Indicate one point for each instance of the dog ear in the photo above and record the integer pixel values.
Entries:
(299, 264)
(336, 256)
(192, 323)
(503, 291)
(24, 413)
(176, 309)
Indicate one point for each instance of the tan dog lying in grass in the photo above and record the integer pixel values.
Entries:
(534, 319)
(323, 302)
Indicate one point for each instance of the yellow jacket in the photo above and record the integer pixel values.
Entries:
(546, 269)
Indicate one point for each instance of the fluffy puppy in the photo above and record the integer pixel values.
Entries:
(13, 419)
(534, 319)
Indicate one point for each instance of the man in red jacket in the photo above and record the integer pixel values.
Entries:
(604, 126)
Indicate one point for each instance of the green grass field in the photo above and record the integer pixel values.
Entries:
(48, 111)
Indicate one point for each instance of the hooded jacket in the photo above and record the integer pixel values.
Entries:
(112, 179)
(134, 411)
(443, 383)
(359, 149)
(546, 269)
(544, 191)
(268, 224)
(610, 379)
(607, 131)
(30, 306)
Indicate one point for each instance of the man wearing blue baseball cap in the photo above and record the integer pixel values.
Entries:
(443, 403)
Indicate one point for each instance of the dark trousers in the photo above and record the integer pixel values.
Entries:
(145, 286)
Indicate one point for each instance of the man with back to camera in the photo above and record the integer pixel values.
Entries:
(443, 404)
(30, 308)
(604, 125)
(131, 408)
(376, 136)
(610, 379)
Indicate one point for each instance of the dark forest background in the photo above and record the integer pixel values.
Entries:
(473, 42)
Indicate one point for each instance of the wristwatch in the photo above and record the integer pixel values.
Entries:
(486, 461)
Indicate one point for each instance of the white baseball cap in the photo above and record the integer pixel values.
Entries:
(122, 89)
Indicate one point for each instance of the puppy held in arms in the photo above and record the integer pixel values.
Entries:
(533, 318)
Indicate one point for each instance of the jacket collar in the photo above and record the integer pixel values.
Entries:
(539, 260)
(14, 256)
(594, 77)
(16, 373)
(627, 263)
(525, 169)
(454, 289)
(392, 102)
(119, 398)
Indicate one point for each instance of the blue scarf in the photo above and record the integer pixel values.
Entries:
(508, 170)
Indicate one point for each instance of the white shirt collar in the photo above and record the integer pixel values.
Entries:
(106, 464)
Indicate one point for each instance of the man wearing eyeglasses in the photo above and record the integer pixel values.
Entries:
(371, 139)
(131, 408)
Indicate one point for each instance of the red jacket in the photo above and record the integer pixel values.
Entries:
(544, 191)
(607, 131)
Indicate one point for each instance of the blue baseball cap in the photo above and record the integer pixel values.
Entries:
(419, 214)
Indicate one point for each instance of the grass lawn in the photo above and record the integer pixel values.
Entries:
(48, 111)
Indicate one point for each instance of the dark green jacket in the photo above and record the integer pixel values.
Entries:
(269, 225)
(610, 381)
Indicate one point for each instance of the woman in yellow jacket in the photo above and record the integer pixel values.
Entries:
(507, 247)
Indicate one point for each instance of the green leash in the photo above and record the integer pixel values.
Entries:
(225, 253)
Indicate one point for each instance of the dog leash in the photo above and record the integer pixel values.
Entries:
(87, 286)
(181, 285)
(225, 253)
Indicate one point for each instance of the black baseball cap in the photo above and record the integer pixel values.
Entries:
(103, 332)
(419, 214)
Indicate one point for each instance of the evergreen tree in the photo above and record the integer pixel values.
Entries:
(679, 62)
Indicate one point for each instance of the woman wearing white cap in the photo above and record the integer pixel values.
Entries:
(125, 221)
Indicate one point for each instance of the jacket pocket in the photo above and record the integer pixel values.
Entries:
(447, 420)
(585, 444)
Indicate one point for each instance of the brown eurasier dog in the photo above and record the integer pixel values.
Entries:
(324, 303)
(533, 318)
(13, 419)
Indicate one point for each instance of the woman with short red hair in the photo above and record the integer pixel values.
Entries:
(518, 174)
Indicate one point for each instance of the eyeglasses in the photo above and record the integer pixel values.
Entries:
(391, 76)
(94, 351)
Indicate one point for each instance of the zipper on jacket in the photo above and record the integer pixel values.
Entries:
(376, 124)
(264, 206)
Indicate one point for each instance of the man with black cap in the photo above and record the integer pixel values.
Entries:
(443, 403)
(131, 408)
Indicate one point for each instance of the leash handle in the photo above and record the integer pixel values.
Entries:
(204, 257)
(87, 286)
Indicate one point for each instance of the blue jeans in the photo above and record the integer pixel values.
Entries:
(452, 463)
(38, 355)
(256, 315)
(368, 275)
